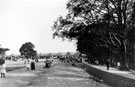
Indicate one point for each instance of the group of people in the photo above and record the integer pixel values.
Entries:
(48, 61)
(30, 64)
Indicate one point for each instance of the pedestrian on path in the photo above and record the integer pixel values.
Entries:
(33, 64)
(27, 63)
(2, 62)
(118, 65)
(3, 70)
(108, 64)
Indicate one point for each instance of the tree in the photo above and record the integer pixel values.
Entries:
(3, 50)
(27, 49)
(50, 54)
(95, 23)
(77, 55)
(122, 14)
(2, 53)
(68, 54)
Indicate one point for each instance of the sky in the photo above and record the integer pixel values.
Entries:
(30, 21)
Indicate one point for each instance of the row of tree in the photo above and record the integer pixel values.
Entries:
(102, 29)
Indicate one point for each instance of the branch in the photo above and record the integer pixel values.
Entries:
(117, 39)
(124, 11)
(107, 6)
(113, 2)
(116, 34)
(111, 39)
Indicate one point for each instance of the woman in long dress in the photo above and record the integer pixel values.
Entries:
(33, 64)
(3, 70)
(2, 62)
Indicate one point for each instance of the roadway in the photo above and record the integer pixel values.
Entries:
(58, 75)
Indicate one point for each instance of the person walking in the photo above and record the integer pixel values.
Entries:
(3, 70)
(27, 63)
(108, 64)
(45, 63)
(33, 64)
(3, 62)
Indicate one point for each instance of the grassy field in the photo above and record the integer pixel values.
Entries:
(13, 65)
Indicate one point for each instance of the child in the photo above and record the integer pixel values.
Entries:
(3, 70)
(27, 62)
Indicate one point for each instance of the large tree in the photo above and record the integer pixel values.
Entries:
(95, 23)
(27, 50)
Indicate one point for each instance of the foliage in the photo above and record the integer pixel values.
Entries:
(3, 50)
(2, 61)
(131, 35)
(100, 27)
(68, 54)
(27, 49)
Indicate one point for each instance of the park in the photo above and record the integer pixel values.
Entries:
(90, 43)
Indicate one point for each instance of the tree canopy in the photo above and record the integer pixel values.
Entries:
(99, 24)
(27, 49)
(3, 50)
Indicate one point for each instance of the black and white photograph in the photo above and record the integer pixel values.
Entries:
(67, 43)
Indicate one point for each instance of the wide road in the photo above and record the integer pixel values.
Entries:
(58, 75)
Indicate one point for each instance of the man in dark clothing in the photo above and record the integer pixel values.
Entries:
(107, 64)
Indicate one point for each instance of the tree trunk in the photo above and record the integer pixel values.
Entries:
(124, 65)
(134, 58)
